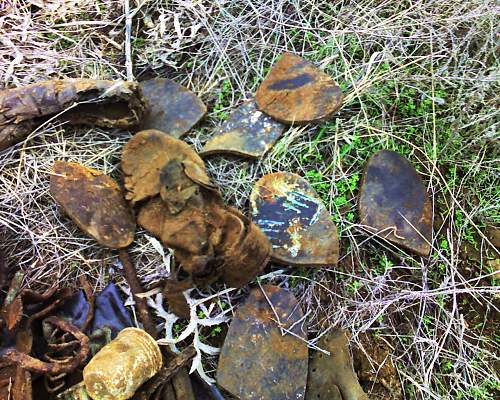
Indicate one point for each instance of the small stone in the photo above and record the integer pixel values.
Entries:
(247, 132)
(257, 361)
(291, 214)
(332, 376)
(172, 108)
(94, 202)
(394, 204)
(297, 92)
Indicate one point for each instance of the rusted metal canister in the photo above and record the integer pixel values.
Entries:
(120, 367)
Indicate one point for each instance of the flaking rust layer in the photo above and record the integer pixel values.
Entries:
(114, 104)
(292, 216)
(298, 92)
(171, 108)
(94, 202)
(257, 361)
(248, 132)
(393, 202)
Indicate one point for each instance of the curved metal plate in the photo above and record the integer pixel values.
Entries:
(257, 362)
(94, 202)
(297, 92)
(172, 108)
(291, 214)
(247, 132)
(394, 202)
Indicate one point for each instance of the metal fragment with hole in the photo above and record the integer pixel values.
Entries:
(394, 204)
(257, 362)
(94, 202)
(293, 217)
(298, 92)
(171, 108)
(248, 132)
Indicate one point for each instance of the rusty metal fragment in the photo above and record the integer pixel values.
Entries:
(123, 365)
(94, 202)
(332, 376)
(297, 92)
(247, 132)
(257, 361)
(173, 293)
(394, 204)
(115, 104)
(171, 108)
(144, 157)
(291, 214)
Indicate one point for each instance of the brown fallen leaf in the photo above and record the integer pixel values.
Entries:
(94, 202)
(114, 104)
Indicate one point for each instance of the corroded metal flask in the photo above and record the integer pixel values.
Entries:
(122, 366)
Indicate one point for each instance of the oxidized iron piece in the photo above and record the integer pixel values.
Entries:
(297, 92)
(331, 376)
(172, 108)
(144, 157)
(94, 202)
(247, 132)
(102, 103)
(394, 203)
(122, 366)
(187, 214)
(257, 362)
(291, 214)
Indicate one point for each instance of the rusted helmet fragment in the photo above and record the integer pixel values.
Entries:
(147, 154)
(257, 361)
(248, 132)
(94, 202)
(171, 108)
(293, 217)
(393, 202)
(332, 376)
(114, 104)
(297, 92)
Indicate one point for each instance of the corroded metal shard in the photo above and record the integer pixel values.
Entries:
(115, 104)
(297, 92)
(146, 155)
(291, 214)
(247, 132)
(394, 203)
(257, 362)
(94, 202)
(172, 108)
(332, 376)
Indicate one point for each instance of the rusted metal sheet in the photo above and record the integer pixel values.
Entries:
(247, 132)
(114, 104)
(393, 202)
(257, 362)
(94, 202)
(332, 376)
(144, 157)
(291, 214)
(297, 92)
(172, 108)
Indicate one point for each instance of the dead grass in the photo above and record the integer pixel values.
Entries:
(420, 77)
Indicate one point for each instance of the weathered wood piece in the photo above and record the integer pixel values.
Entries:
(393, 202)
(113, 104)
(257, 361)
(171, 108)
(94, 202)
(248, 132)
(293, 217)
(298, 92)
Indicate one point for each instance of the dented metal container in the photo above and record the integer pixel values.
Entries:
(122, 366)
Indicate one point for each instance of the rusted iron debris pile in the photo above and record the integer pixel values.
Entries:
(74, 344)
